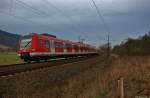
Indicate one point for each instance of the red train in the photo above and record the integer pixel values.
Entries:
(35, 47)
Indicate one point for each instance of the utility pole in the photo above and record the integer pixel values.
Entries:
(79, 38)
(108, 45)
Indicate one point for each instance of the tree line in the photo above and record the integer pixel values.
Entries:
(138, 46)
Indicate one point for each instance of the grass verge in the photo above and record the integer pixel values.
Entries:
(9, 58)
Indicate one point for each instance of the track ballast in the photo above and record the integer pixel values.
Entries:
(18, 68)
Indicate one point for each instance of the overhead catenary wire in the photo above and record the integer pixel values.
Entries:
(17, 17)
(74, 25)
(105, 26)
(11, 14)
(48, 2)
(34, 10)
(11, 6)
(59, 10)
(101, 17)
(39, 12)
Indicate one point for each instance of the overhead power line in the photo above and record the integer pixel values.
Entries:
(35, 10)
(64, 14)
(11, 6)
(105, 26)
(48, 2)
(17, 17)
(101, 17)
(41, 13)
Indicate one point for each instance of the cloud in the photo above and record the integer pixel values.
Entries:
(71, 18)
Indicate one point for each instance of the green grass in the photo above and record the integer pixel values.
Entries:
(4, 47)
(9, 58)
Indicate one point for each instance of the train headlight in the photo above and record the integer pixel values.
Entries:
(33, 49)
(24, 50)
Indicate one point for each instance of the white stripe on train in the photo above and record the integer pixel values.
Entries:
(48, 53)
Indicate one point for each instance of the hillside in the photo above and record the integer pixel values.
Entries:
(9, 39)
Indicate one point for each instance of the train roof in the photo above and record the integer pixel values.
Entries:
(27, 36)
(47, 36)
(50, 35)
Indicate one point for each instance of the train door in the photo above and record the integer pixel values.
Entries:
(47, 46)
(73, 50)
(65, 48)
(52, 46)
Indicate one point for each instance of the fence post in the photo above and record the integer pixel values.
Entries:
(118, 89)
(121, 87)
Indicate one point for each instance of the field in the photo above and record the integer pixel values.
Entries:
(93, 78)
(66, 81)
(136, 73)
(4, 47)
(9, 58)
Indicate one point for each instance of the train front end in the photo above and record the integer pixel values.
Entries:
(25, 47)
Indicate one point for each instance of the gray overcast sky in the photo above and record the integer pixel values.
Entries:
(69, 19)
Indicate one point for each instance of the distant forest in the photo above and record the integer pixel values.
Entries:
(139, 46)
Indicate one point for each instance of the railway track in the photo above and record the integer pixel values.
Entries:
(18, 68)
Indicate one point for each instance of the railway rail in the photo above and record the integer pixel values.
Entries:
(6, 70)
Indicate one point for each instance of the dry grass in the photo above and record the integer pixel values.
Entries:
(94, 78)
(67, 81)
(136, 73)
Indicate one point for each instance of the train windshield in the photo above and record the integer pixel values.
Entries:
(25, 43)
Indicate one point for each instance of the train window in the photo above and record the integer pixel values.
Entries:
(26, 43)
(52, 44)
(68, 46)
(59, 45)
(46, 44)
(41, 42)
(64, 46)
(56, 45)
